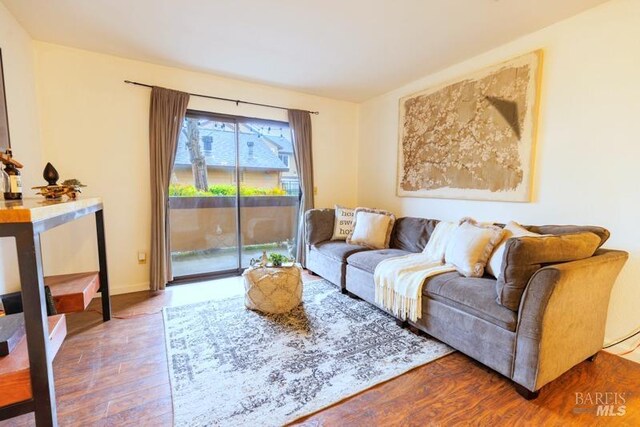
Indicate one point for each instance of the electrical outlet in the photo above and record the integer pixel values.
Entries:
(315, 191)
(142, 257)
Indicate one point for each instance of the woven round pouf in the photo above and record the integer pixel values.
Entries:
(272, 289)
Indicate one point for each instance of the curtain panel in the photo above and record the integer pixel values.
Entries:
(167, 112)
(300, 124)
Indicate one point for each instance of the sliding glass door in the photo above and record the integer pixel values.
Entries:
(234, 193)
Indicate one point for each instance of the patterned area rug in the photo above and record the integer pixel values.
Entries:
(230, 366)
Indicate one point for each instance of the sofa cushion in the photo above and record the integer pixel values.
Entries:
(523, 256)
(411, 234)
(473, 295)
(512, 229)
(326, 267)
(337, 249)
(318, 225)
(368, 260)
(602, 233)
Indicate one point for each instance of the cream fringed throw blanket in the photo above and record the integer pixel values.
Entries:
(399, 280)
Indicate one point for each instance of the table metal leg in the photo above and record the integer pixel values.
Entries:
(36, 325)
(102, 260)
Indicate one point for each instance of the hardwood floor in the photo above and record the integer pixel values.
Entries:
(116, 374)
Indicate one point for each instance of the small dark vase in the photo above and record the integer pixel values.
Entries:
(50, 174)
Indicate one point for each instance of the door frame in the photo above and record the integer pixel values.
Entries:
(236, 120)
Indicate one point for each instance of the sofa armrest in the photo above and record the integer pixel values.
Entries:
(318, 225)
(562, 317)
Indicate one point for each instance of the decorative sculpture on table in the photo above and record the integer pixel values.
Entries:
(74, 186)
(55, 191)
(50, 174)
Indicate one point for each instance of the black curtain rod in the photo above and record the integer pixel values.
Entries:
(236, 101)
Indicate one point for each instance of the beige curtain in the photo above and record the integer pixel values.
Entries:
(300, 124)
(168, 108)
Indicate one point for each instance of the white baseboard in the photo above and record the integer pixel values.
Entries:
(625, 347)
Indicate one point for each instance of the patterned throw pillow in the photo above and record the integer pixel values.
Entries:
(343, 225)
(372, 228)
(471, 246)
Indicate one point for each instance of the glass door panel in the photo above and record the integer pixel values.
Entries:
(269, 190)
(203, 198)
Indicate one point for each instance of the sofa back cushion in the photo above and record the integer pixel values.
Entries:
(318, 225)
(602, 233)
(411, 234)
(523, 256)
(512, 229)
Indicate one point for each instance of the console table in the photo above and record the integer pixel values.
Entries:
(26, 374)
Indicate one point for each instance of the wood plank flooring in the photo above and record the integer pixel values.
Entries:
(116, 374)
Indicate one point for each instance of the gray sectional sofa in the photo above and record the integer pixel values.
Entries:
(559, 323)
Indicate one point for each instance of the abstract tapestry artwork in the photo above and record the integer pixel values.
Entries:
(474, 138)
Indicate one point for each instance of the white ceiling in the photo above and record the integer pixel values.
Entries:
(343, 49)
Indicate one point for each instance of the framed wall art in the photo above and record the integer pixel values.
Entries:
(472, 138)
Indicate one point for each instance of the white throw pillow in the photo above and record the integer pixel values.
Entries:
(470, 247)
(343, 224)
(439, 240)
(512, 229)
(371, 228)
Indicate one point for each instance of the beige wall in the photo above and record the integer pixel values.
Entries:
(95, 128)
(17, 55)
(588, 148)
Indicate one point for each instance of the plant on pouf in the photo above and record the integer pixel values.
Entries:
(272, 260)
(278, 259)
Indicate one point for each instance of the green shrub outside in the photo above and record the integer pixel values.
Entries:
(184, 190)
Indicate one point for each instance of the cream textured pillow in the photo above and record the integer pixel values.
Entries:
(470, 247)
(512, 229)
(371, 228)
(343, 224)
